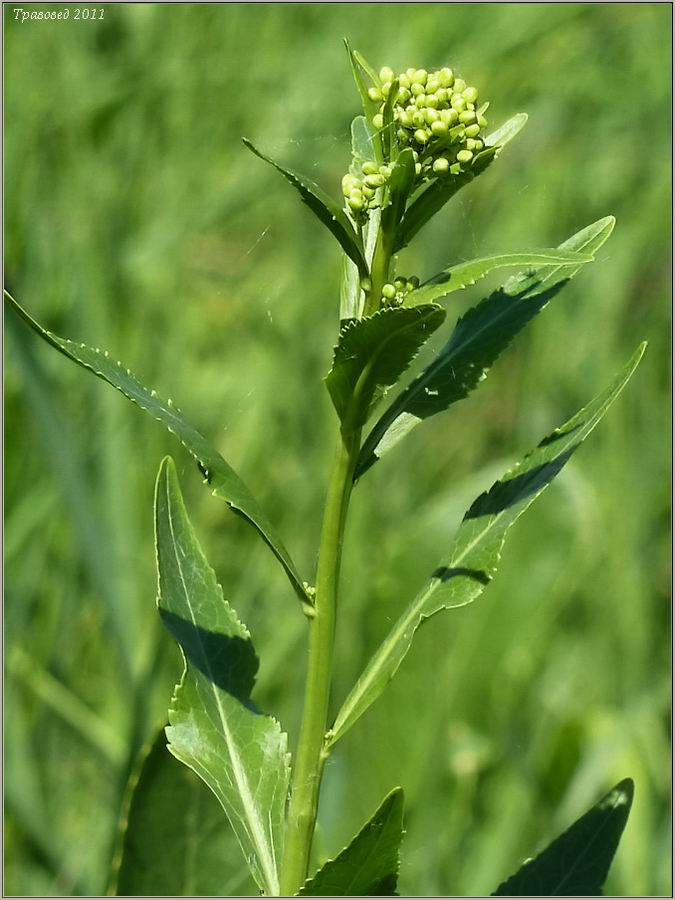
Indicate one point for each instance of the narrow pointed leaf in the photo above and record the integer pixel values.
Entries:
(478, 339)
(464, 274)
(442, 190)
(372, 353)
(400, 186)
(360, 67)
(214, 727)
(175, 839)
(368, 867)
(224, 481)
(477, 547)
(350, 287)
(576, 864)
(324, 208)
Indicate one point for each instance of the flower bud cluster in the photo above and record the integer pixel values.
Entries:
(436, 114)
(361, 194)
(393, 294)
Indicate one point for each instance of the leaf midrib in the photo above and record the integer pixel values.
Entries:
(258, 834)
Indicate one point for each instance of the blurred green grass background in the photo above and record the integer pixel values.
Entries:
(136, 221)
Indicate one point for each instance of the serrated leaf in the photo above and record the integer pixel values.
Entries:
(478, 339)
(214, 727)
(442, 190)
(368, 867)
(455, 278)
(324, 208)
(223, 480)
(576, 863)
(176, 840)
(371, 355)
(477, 547)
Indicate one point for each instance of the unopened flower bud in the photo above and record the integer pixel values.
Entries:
(378, 120)
(414, 280)
(433, 84)
(439, 128)
(374, 181)
(458, 102)
(386, 74)
(482, 121)
(470, 94)
(464, 156)
(400, 284)
(442, 96)
(459, 85)
(421, 136)
(416, 89)
(375, 94)
(421, 76)
(446, 77)
(367, 192)
(418, 118)
(472, 131)
(370, 168)
(385, 171)
(421, 101)
(431, 101)
(355, 202)
(431, 115)
(403, 80)
(467, 117)
(388, 291)
(441, 165)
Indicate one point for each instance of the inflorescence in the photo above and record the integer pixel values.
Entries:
(435, 114)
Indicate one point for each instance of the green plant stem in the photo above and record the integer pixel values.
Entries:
(379, 270)
(310, 753)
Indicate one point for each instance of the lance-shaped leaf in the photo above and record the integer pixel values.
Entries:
(442, 190)
(360, 68)
(477, 548)
(223, 480)
(175, 839)
(324, 208)
(576, 863)
(455, 278)
(368, 866)
(372, 353)
(350, 287)
(478, 339)
(214, 727)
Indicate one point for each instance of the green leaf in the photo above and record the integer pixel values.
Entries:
(400, 186)
(371, 355)
(442, 190)
(576, 863)
(350, 287)
(324, 208)
(224, 481)
(368, 867)
(175, 839)
(455, 278)
(214, 727)
(477, 547)
(359, 65)
(478, 339)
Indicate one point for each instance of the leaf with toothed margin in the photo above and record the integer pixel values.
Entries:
(368, 866)
(372, 354)
(434, 198)
(477, 547)
(324, 208)
(478, 339)
(224, 481)
(576, 863)
(214, 728)
(174, 839)
(455, 278)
